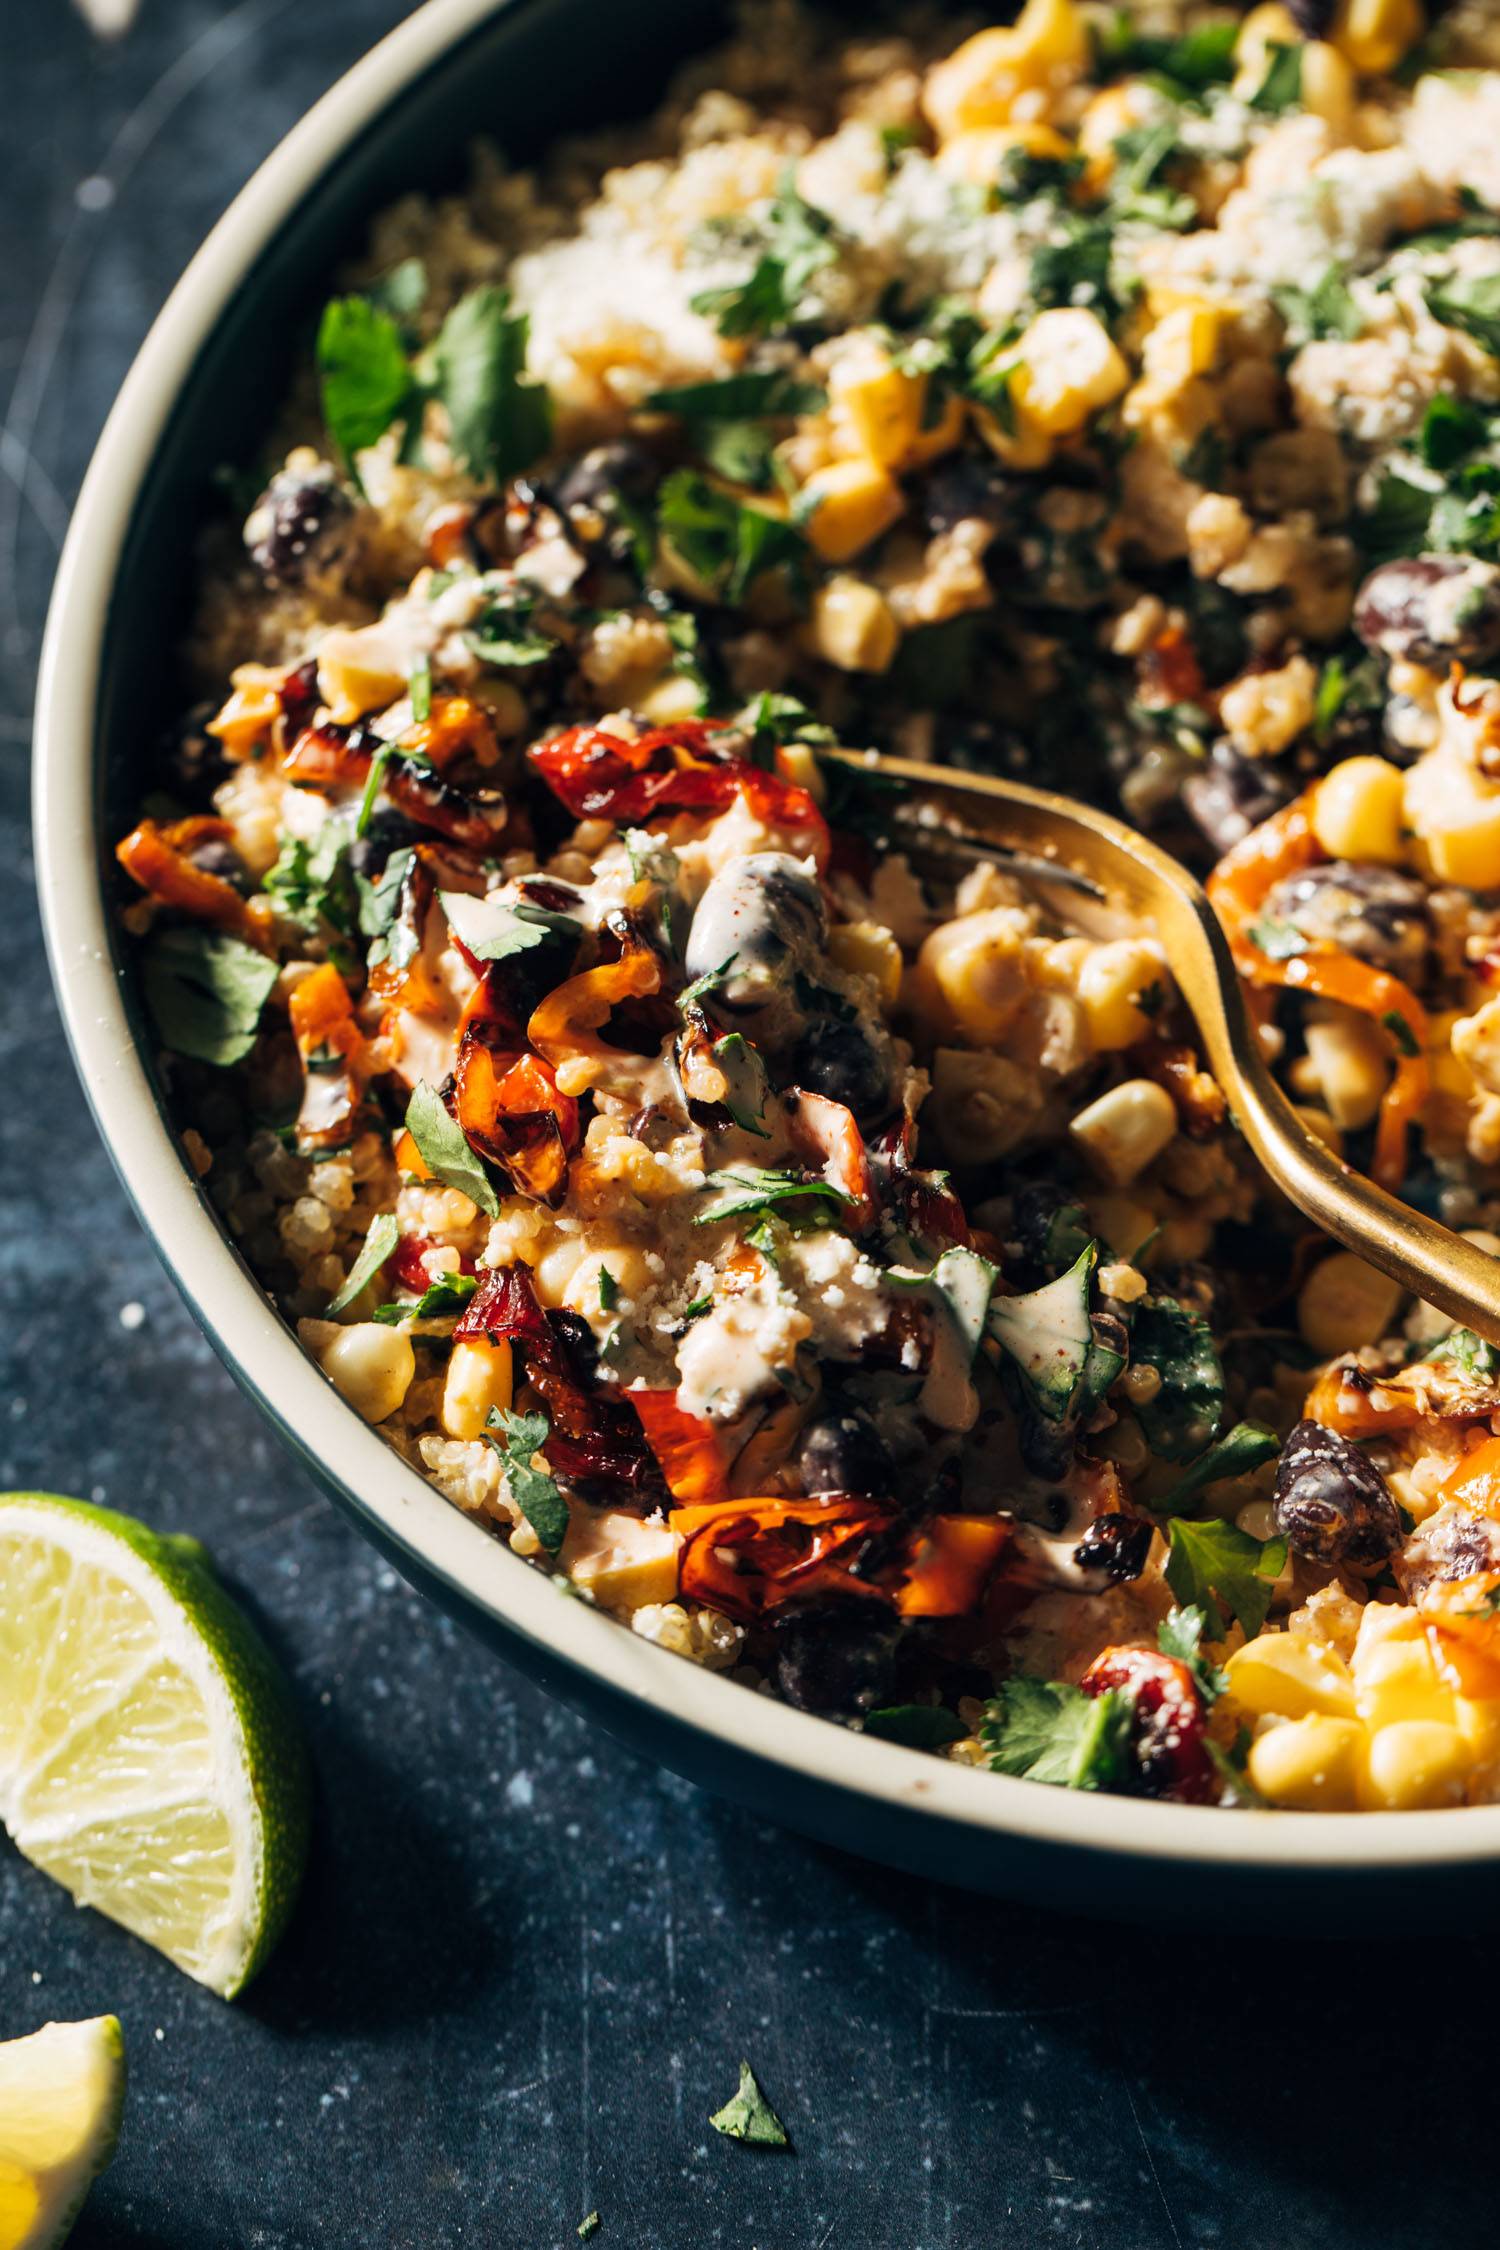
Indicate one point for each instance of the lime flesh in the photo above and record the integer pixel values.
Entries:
(150, 1758)
(61, 2094)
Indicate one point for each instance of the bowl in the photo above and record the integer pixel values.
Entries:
(521, 70)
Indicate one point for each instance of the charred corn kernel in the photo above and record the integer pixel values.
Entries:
(1475, 1041)
(1352, 1065)
(670, 700)
(1018, 440)
(972, 973)
(879, 405)
(976, 156)
(1328, 86)
(371, 1366)
(1280, 1677)
(868, 950)
(1112, 983)
(1126, 1129)
(1318, 1121)
(1414, 1763)
(1357, 811)
(1182, 344)
(979, 83)
(554, 1270)
(357, 672)
(849, 504)
(1395, 1677)
(1310, 1765)
(797, 763)
(1069, 368)
(480, 1381)
(940, 433)
(1123, 1224)
(628, 1273)
(248, 714)
(852, 626)
(1111, 113)
(1345, 1304)
(1374, 35)
(623, 1562)
(1454, 813)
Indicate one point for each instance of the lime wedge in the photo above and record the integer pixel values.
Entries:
(61, 2094)
(150, 1758)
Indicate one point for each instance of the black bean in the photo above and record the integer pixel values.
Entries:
(837, 1659)
(1376, 912)
(1431, 610)
(600, 476)
(763, 915)
(1115, 1544)
(216, 857)
(294, 513)
(1332, 1503)
(837, 1059)
(385, 832)
(1313, 18)
(960, 491)
(845, 1453)
(1232, 794)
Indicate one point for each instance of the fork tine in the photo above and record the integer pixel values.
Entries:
(939, 841)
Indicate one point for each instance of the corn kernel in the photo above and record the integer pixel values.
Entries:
(554, 1270)
(977, 155)
(670, 700)
(1184, 343)
(1022, 444)
(1328, 86)
(1069, 368)
(625, 1262)
(1374, 35)
(852, 626)
(972, 973)
(1126, 1129)
(849, 503)
(623, 1562)
(1279, 1676)
(1352, 1065)
(1475, 1041)
(1111, 984)
(868, 950)
(479, 1382)
(1395, 1678)
(939, 436)
(357, 672)
(1454, 812)
(1111, 113)
(1357, 811)
(879, 405)
(1345, 1304)
(1310, 1765)
(1415, 1763)
(1121, 1223)
(371, 1366)
(979, 83)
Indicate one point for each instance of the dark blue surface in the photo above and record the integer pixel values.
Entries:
(526, 1965)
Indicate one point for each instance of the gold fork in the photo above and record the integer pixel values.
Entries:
(1048, 838)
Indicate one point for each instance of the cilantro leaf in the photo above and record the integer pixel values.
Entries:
(1239, 1450)
(1180, 1634)
(445, 1151)
(1397, 524)
(448, 1294)
(748, 2116)
(499, 418)
(1281, 88)
(206, 992)
(1212, 1561)
(1471, 303)
(311, 881)
(1184, 1415)
(790, 244)
(1201, 58)
(1326, 310)
(746, 1188)
(498, 929)
(381, 1240)
(921, 1726)
(1451, 428)
(401, 291)
(1278, 941)
(1469, 1353)
(964, 1282)
(364, 376)
(533, 1490)
(720, 540)
(1045, 1730)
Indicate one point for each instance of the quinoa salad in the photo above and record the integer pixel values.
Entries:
(825, 1252)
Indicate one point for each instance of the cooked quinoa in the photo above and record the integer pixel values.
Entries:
(829, 1254)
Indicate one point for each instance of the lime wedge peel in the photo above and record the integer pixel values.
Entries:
(61, 2094)
(150, 1756)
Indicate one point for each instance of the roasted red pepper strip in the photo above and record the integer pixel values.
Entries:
(950, 1563)
(600, 776)
(332, 1050)
(511, 1111)
(828, 1140)
(337, 757)
(561, 1027)
(407, 1262)
(593, 1437)
(1239, 887)
(1168, 1729)
(920, 1203)
(159, 859)
(686, 1447)
(744, 1557)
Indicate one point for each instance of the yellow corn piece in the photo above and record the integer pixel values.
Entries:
(976, 156)
(1395, 1678)
(1357, 811)
(850, 504)
(1415, 1763)
(868, 950)
(1069, 368)
(1279, 1675)
(479, 1381)
(1310, 1765)
(852, 626)
(1374, 35)
(981, 81)
(1454, 813)
(623, 1562)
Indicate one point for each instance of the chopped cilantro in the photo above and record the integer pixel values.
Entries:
(206, 991)
(1323, 311)
(1278, 941)
(748, 2116)
(921, 1726)
(1212, 1561)
(1401, 1031)
(421, 689)
(448, 1294)
(402, 291)
(311, 881)
(534, 1490)
(500, 419)
(445, 1151)
(1451, 428)
(774, 719)
(380, 900)
(693, 994)
(1469, 1353)
(1181, 1634)
(1281, 88)
(609, 1289)
(381, 1240)
(746, 1188)
(1045, 1730)
(364, 376)
(739, 398)
(1397, 524)
(518, 928)
(1200, 59)
(789, 245)
(1471, 303)
(1239, 1450)
(503, 633)
(723, 542)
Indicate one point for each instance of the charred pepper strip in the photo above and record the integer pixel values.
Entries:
(160, 860)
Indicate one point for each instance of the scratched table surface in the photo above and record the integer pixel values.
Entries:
(525, 1965)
